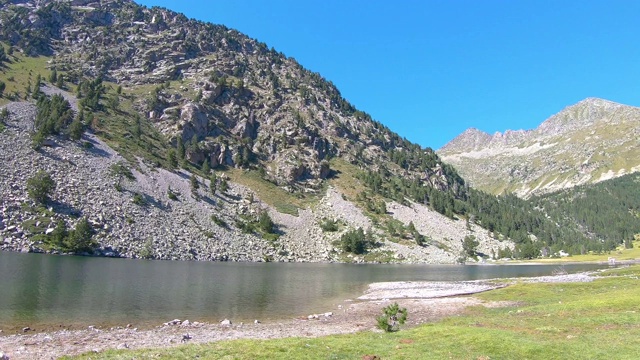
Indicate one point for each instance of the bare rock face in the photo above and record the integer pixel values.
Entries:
(591, 141)
(471, 139)
(436, 178)
(211, 92)
(289, 167)
(246, 128)
(194, 122)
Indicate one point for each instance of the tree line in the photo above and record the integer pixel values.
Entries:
(594, 218)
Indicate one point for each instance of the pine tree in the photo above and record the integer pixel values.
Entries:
(60, 82)
(53, 77)
(59, 234)
(76, 129)
(205, 167)
(40, 186)
(213, 182)
(195, 185)
(79, 240)
(180, 149)
(224, 186)
(36, 87)
(172, 159)
(265, 223)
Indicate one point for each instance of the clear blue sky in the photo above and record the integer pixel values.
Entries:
(430, 69)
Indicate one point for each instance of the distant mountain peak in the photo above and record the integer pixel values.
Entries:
(592, 103)
(595, 101)
(582, 114)
(590, 141)
(470, 139)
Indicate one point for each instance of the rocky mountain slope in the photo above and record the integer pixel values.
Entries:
(175, 101)
(241, 102)
(585, 143)
(201, 227)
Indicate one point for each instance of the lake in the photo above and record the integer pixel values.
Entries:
(49, 291)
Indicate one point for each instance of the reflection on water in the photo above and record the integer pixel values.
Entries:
(48, 289)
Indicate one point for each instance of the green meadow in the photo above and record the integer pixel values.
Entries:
(595, 320)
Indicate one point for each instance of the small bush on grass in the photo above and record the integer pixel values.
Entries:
(392, 317)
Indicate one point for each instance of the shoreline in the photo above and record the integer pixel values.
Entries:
(426, 301)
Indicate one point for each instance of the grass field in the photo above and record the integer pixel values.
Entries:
(621, 254)
(283, 201)
(19, 71)
(597, 320)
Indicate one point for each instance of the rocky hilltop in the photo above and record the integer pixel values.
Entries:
(240, 101)
(216, 130)
(591, 141)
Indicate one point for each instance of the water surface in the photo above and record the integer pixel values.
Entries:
(40, 290)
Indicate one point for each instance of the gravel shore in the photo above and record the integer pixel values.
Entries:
(425, 301)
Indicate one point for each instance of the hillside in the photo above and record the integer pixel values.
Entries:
(178, 139)
(608, 210)
(591, 141)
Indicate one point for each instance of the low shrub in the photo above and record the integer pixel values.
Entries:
(392, 317)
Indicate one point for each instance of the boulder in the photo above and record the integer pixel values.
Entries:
(195, 122)
(173, 322)
(209, 96)
(246, 128)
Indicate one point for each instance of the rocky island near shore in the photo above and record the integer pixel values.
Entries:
(426, 302)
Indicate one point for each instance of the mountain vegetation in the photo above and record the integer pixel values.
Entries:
(253, 138)
(606, 211)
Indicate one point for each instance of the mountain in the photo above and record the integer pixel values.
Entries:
(591, 141)
(137, 132)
